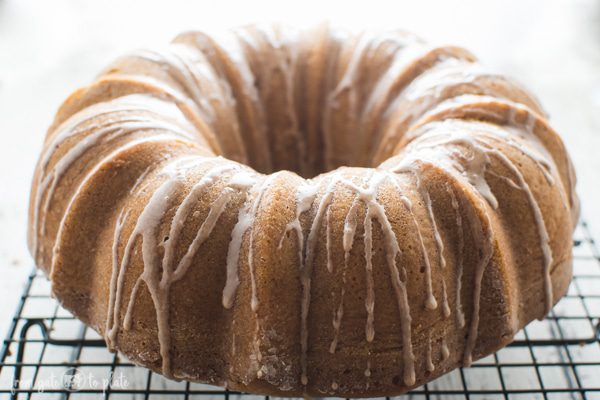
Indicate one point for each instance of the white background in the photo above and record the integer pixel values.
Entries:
(49, 48)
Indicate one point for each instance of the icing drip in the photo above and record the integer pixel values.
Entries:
(280, 62)
(345, 88)
(100, 133)
(474, 168)
(181, 215)
(370, 298)
(438, 239)
(428, 360)
(159, 275)
(139, 182)
(175, 60)
(306, 273)
(522, 139)
(146, 227)
(436, 232)
(368, 370)
(506, 180)
(328, 239)
(347, 241)
(445, 305)
(484, 259)
(540, 224)
(445, 350)
(392, 251)
(205, 90)
(460, 314)
(110, 338)
(246, 217)
(373, 210)
(430, 301)
(306, 195)
(103, 163)
(254, 299)
(532, 148)
(480, 146)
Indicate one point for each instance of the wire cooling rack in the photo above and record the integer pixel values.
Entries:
(48, 354)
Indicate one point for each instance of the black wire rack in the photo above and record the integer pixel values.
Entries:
(48, 354)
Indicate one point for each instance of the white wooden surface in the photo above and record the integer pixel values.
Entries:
(49, 48)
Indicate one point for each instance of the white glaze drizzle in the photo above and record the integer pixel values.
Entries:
(282, 59)
(430, 301)
(105, 131)
(161, 201)
(428, 357)
(370, 297)
(368, 370)
(529, 144)
(445, 306)
(444, 348)
(306, 273)
(540, 225)
(146, 227)
(175, 60)
(328, 239)
(376, 210)
(345, 86)
(436, 235)
(460, 313)
(197, 78)
(373, 210)
(426, 149)
(485, 257)
(113, 279)
(347, 242)
(482, 149)
(246, 217)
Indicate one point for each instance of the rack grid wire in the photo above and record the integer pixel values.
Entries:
(48, 354)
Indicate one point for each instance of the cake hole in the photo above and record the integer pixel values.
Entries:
(306, 153)
(396, 380)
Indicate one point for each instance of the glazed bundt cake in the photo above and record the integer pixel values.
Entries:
(317, 212)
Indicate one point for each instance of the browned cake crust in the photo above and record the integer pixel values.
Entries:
(442, 227)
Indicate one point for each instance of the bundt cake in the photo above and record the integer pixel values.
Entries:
(303, 213)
